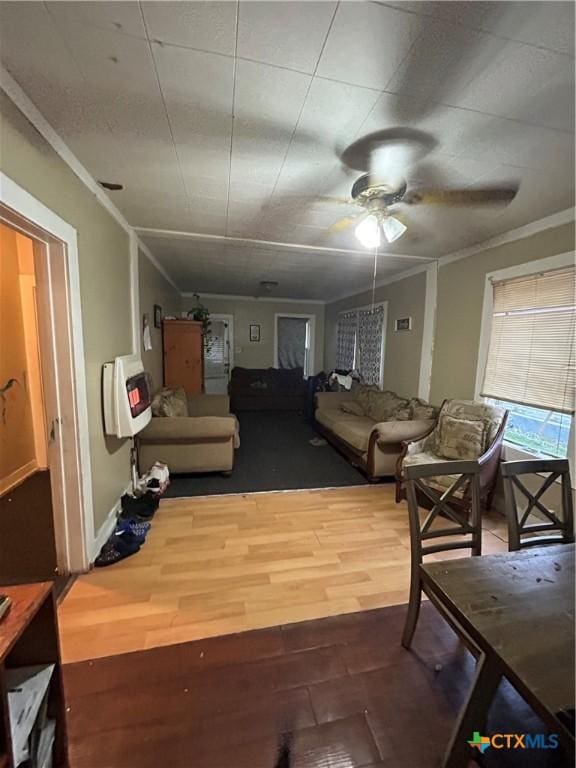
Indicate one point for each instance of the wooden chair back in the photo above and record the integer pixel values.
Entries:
(521, 529)
(467, 525)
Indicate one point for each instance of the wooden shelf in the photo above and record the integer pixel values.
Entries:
(26, 600)
(29, 636)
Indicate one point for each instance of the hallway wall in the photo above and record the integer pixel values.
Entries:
(104, 262)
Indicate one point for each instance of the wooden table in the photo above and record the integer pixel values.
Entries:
(29, 636)
(517, 608)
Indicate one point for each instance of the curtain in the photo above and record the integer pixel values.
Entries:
(531, 357)
(346, 340)
(216, 351)
(370, 330)
(292, 342)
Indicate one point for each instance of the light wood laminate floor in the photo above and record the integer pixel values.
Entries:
(217, 565)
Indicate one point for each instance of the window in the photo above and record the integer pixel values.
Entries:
(530, 363)
(360, 335)
(536, 430)
(294, 338)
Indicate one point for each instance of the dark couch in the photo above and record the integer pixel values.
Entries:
(267, 389)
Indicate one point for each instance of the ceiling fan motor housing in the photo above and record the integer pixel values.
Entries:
(366, 189)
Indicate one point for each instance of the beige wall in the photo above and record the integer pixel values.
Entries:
(154, 289)
(104, 282)
(17, 447)
(405, 298)
(459, 309)
(253, 354)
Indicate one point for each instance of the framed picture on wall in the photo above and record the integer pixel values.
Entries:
(157, 316)
(254, 333)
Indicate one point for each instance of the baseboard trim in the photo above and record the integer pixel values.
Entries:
(105, 530)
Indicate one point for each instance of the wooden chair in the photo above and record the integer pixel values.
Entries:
(451, 520)
(520, 527)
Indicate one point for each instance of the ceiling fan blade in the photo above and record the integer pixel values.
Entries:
(298, 201)
(334, 200)
(345, 223)
(462, 197)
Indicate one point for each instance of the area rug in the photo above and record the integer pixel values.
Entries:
(275, 454)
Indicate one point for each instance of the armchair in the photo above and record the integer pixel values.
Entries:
(465, 431)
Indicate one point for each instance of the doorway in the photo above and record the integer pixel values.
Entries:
(27, 529)
(294, 337)
(218, 354)
(52, 534)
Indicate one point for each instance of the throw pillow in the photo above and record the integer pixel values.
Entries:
(460, 439)
(351, 406)
(170, 403)
(364, 393)
(383, 406)
(422, 410)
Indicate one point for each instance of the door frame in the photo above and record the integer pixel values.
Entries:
(310, 363)
(57, 245)
(230, 320)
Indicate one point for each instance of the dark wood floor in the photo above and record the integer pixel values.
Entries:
(351, 695)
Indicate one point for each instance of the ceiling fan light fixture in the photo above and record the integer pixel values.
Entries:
(393, 228)
(368, 232)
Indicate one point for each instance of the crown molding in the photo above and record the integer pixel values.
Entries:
(19, 98)
(268, 243)
(150, 256)
(234, 297)
(548, 222)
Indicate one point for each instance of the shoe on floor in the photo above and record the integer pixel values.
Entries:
(115, 550)
(143, 507)
(129, 537)
(134, 526)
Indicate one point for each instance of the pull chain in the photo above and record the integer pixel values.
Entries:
(374, 276)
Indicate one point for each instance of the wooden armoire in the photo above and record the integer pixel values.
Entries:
(183, 355)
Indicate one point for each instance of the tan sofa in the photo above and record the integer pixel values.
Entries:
(202, 441)
(371, 437)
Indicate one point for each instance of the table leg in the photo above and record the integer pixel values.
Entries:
(474, 712)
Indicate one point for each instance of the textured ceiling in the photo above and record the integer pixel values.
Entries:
(217, 117)
(238, 268)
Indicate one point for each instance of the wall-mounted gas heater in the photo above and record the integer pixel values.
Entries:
(127, 397)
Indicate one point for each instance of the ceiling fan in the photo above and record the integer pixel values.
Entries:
(380, 202)
(386, 157)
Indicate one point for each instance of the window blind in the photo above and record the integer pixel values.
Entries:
(531, 356)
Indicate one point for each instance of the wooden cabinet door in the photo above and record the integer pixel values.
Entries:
(183, 358)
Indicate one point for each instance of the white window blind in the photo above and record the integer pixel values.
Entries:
(531, 357)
